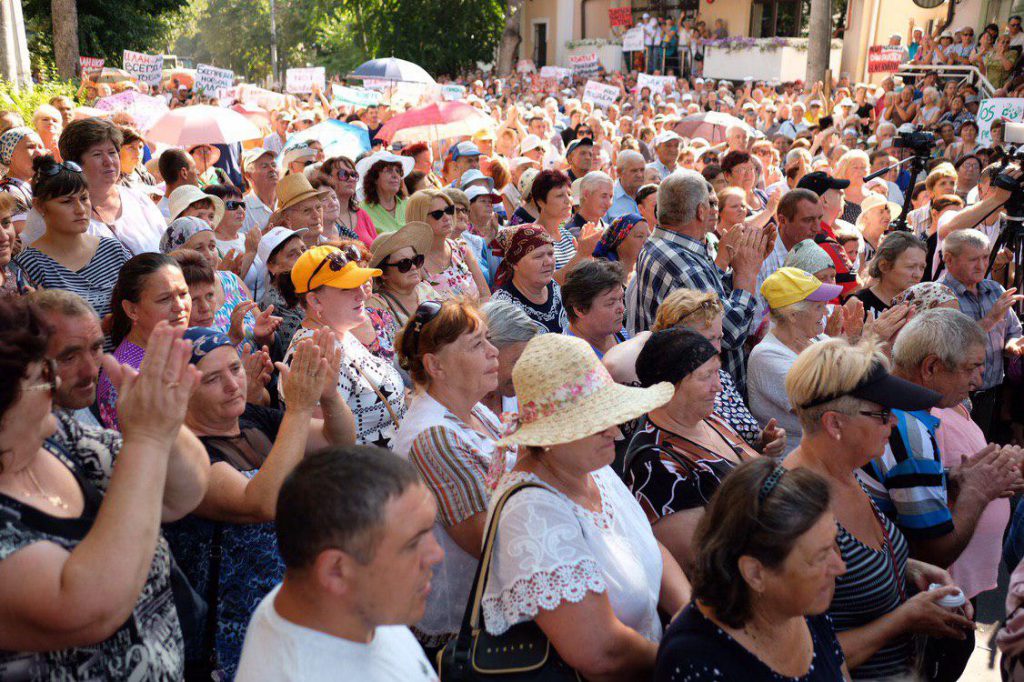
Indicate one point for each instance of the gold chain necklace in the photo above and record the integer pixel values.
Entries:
(55, 500)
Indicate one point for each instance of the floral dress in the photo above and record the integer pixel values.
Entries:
(234, 295)
(456, 280)
(127, 353)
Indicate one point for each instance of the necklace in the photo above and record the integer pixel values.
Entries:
(55, 500)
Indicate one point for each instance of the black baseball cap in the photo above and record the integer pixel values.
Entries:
(879, 386)
(581, 142)
(820, 182)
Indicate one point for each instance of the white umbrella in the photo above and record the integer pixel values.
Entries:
(392, 69)
(202, 124)
(711, 125)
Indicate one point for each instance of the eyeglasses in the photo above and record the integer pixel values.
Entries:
(48, 374)
(232, 205)
(882, 415)
(55, 168)
(407, 264)
(336, 261)
(440, 213)
(347, 174)
(462, 211)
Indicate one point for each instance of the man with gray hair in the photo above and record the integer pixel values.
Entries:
(596, 188)
(676, 256)
(966, 254)
(509, 329)
(944, 350)
(630, 168)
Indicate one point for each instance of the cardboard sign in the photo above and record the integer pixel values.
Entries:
(211, 80)
(633, 40)
(357, 97)
(584, 64)
(525, 66)
(884, 59)
(145, 68)
(620, 16)
(144, 109)
(600, 94)
(301, 81)
(1007, 108)
(655, 83)
(265, 99)
(90, 67)
(377, 84)
(555, 72)
(451, 92)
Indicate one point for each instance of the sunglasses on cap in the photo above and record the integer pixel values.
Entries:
(407, 264)
(440, 213)
(55, 168)
(336, 261)
(234, 205)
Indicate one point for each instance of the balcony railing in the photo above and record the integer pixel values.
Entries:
(961, 73)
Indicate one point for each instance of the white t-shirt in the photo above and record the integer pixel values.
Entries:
(277, 650)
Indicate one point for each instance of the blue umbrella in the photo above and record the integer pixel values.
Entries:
(337, 138)
(392, 69)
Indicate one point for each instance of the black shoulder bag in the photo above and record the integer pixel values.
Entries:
(522, 654)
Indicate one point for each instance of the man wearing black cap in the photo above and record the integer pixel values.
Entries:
(580, 155)
(830, 194)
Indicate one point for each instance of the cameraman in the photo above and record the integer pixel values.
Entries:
(986, 216)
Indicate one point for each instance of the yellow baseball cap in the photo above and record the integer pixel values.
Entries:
(787, 286)
(329, 266)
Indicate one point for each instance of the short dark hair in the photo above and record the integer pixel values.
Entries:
(711, 171)
(335, 499)
(733, 159)
(60, 184)
(172, 162)
(546, 181)
(82, 135)
(791, 199)
(224, 191)
(588, 280)
(646, 191)
(194, 266)
(743, 520)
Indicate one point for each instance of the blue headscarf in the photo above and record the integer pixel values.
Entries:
(616, 233)
(204, 341)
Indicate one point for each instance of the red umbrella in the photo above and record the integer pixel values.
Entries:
(434, 122)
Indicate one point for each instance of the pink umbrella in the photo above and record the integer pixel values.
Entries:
(202, 124)
(711, 125)
(434, 122)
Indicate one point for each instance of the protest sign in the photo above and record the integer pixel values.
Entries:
(301, 81)
(265, 99)
(655, 83)
(90, 67)
(357, 97)
(633, 40)
(584, 64)
(525, 66)
(620, 16)
(554, 72)
(145, 68)
(1007, 108)
(451, 92)
(210, 80)
(144, 109)
(600, 94)
(883, 59)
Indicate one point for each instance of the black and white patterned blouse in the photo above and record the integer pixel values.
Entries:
(375, 424)
(550, 316)
(148, 646)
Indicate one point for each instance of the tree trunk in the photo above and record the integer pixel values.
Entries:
(65, 37)
(819, 43)
(510, 38)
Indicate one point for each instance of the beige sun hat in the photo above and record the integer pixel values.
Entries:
(566, 394)
(875, 200)
(185, 195)
(417, 235)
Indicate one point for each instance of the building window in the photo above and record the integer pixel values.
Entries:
(782, 18)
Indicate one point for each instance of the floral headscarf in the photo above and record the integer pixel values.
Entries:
(181, 230)
(512, 244)
(616, 233)
(9, 140)
(925, 296)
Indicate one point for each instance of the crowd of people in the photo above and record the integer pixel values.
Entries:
(663, 406)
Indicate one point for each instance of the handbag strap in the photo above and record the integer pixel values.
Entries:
(376, 389)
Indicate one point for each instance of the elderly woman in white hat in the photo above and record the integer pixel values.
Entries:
(300, 206)
(295, 159)
(578, 548)
(400, 289)
(381, 176)
(279, 248)
(189, 200)
(876, 212)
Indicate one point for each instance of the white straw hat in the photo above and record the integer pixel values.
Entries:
(566, 394)
(184, 196)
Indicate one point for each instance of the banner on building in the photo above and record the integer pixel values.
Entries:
(620, 16)
(1009, 109)
(211, 80)
(584, 64)
(90, 67)
(633, 40)
(555, 72)
(301, 81)
(145, 68)
(655, 83)
(884, 59)
(600, 94)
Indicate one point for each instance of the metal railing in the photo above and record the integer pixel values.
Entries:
(962, 73)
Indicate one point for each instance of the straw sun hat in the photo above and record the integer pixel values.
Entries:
(566, 394)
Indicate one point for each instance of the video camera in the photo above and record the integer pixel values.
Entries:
(1013, 135)
(917, 141)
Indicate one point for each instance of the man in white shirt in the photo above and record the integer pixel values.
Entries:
(259, 168)
(652, 37)
(354, 530)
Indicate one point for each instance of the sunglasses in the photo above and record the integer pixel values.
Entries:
(233, 205)
(425, 312)
(347, 174)
(336, 261)
(882, 415)
(407, 264)
(440, 213)
(48, 376)
(54, 168)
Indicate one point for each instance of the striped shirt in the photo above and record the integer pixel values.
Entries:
(94, 281)
(669, 261)
(908, 483)
(565, 248)
(870, 589)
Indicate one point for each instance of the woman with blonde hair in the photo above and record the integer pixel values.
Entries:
(853, 166)
(843, 396)
(450, 267)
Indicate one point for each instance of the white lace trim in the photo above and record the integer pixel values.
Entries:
(524, 599)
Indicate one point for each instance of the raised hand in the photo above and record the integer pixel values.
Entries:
(232, 261)
(302, 381)
(773, 439)
(853, 318)
(265, 325)
(258, 371)
(330, 349)
(890, 322)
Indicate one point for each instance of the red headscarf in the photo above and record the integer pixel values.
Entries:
(512, 244)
